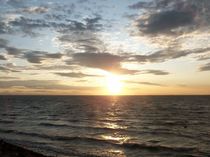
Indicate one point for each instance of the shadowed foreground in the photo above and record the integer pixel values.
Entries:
(10, 150)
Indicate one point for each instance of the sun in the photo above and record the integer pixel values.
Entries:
(114, 84)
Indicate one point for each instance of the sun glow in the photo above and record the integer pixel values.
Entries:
(114, 84)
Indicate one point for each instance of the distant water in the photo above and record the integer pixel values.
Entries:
(128, 126)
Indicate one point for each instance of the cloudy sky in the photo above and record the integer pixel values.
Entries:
(69, 46)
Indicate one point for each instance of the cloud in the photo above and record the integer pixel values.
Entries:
(155, 72)
(205, 67)
(145, 83)
(35, 10)
(98, 60)
(167, 54)
(172, 17)
(90, 24)
(82, 1)
(14, 51)
(42, 84)
(2, 57)
(75, 74)
(140, 5)
(5, 69)
(3, 27)
(104, 61)
(3, 43)
(16, 3)
(39, 56)
(28, 25)
(8, 77)
(54, 67)
(32, 56)
(164, 22)
(82, 42)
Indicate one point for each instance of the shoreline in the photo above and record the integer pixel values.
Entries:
(11, 150)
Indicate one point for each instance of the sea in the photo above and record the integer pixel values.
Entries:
(108, 126)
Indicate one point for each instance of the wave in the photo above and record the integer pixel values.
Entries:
(158, 147)
(6, 121)
(86, 127)
(113, 143)
(53, 125)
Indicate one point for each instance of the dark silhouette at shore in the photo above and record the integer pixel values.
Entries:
(10, 150)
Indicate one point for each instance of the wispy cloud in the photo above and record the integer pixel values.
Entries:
(205, 67)
(168, 54)
(75, 74)
(145, 83)
(41, 84)
(5, 69)
(34, 10)
(154, 72)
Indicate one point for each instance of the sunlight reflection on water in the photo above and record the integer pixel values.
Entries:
(115, 137)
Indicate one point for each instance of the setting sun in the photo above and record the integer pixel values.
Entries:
(114, 84)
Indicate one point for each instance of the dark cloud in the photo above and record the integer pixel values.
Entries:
(145, 83)
(105, 61)
(58, 22)
(3, 43)
(53, 55)
(172, 17)
(205, 67)
(155, 72)
(39, 56)
(28, 25)
(167, 54)
(82, 42)
(5, 69)
(164, 22)
(34, 57)
(2, 57)
(3, 27)
(203, 57)
(140, 5)
(75, 74)
(14, 51)
(30, 55)
(99, 60)
(88, 24)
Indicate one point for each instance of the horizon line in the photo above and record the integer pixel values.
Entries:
(105, 95)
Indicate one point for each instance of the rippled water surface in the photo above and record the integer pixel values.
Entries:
(127, 126)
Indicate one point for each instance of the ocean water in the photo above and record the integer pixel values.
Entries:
(125, 126)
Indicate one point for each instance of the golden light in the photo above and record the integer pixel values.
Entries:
(114, 84)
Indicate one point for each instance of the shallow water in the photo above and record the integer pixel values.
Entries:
(126, 126)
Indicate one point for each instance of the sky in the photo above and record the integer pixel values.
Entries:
(72, 47)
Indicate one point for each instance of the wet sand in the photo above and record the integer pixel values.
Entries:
(10, 150)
